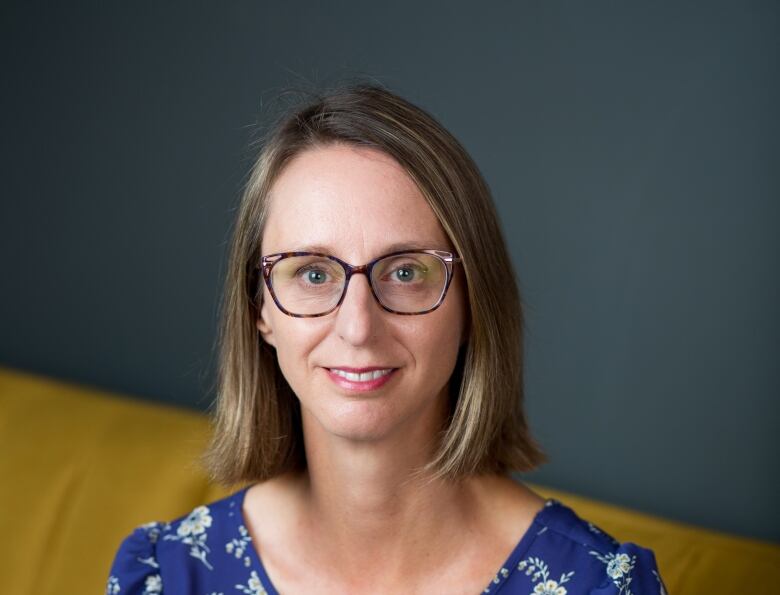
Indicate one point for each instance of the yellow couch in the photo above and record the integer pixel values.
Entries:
(81, 468)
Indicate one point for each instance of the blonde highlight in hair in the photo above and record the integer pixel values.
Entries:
(256, 421)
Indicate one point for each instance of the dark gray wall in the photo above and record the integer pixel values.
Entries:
(632, 149)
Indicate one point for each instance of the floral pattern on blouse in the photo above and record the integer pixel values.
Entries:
(192, 531)
(210, 552)
(618, 568)
(238, 546)
(253, 586)
(538, 570)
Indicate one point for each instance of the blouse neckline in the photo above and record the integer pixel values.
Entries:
(522, 546)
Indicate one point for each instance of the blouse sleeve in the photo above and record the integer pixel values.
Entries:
(135, 570)
(630, 569)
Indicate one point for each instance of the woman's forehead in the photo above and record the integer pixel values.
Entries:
(349, 200)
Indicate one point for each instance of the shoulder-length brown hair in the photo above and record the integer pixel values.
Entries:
(257, 430)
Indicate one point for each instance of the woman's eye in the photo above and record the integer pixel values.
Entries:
(404, 273)
(407, 273)
(313, 275)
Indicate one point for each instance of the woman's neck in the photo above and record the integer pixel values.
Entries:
(361, 503)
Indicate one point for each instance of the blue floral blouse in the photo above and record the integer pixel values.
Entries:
(209, 552)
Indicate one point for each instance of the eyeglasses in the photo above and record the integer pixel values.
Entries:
(307, 284)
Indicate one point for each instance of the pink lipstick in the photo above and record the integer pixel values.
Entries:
(360, 379)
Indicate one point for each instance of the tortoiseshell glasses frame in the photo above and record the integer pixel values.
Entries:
(447, 258)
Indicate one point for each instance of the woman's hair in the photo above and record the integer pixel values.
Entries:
(257, 431)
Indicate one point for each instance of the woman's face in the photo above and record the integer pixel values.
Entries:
(355, 203)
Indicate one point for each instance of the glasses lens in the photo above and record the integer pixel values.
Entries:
(307, 284)
(409, 283)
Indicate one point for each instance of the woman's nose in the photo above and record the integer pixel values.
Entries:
(356, 317)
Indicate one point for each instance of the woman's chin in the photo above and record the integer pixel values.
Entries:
(360, 421)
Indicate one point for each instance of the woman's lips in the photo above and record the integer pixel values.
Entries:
(360, 386)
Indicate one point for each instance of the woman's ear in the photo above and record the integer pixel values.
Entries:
(264, 325)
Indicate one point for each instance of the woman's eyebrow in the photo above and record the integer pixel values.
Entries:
(391, 248)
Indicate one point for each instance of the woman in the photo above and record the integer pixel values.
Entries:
(371, 385)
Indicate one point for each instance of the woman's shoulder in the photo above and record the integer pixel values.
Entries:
(184, 543)
(566, 553)
(135, 567)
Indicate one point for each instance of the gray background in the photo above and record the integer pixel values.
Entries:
(632, 149)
